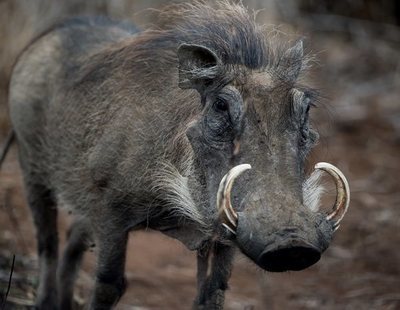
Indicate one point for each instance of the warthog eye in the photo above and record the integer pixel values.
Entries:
(222, 118)
(221, 105)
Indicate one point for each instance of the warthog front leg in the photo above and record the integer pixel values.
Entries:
(211, 287)
(110, 280)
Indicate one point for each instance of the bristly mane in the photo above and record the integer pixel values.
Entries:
(225, 27)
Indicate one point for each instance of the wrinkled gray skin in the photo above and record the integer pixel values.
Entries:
(132, 130)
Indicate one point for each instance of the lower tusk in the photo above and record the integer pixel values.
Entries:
(229, 229)
(224, 196)
(343, 193)
(230, 214)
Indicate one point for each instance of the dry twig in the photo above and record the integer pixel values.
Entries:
(3, 305)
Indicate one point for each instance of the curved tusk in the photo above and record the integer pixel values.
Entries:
(342, 190)
(224, 196)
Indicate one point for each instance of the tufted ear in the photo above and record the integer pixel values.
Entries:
(292, 61)
(198, 66)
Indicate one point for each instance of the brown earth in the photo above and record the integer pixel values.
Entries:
(359, 123)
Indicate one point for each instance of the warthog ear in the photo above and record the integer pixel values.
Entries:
(198, 66)
(291, 62)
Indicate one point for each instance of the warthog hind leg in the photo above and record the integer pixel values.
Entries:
(78, 242)
(44, 211)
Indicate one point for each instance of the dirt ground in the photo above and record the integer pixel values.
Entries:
(358, 72)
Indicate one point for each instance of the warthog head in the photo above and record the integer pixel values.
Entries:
(259, 119)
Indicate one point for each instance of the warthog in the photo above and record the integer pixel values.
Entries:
(150, 129)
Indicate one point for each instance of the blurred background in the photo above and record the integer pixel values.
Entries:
(356, 44)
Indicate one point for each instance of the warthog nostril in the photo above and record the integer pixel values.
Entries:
(293, 255)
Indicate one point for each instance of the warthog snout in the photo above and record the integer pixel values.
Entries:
(283, 250)
(260, 234)
(291, 254)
